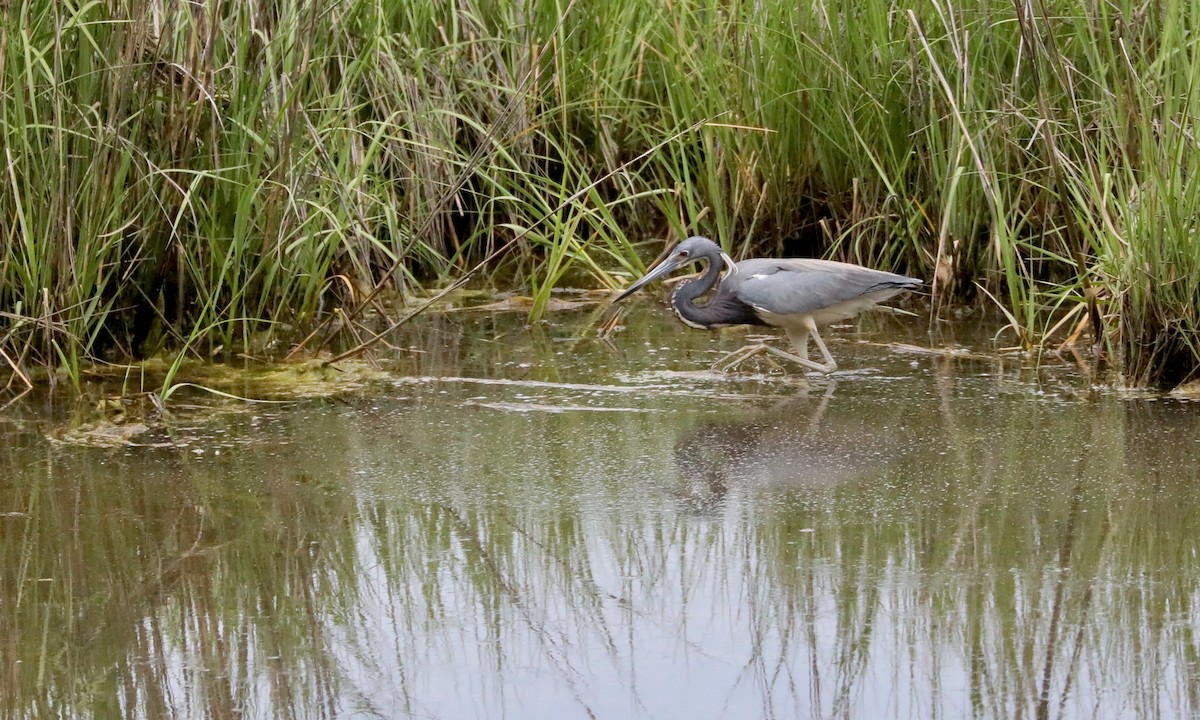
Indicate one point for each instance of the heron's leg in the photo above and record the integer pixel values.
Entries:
(799, 334)
(830, 365)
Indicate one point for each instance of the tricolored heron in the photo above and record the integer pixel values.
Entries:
(796, 294)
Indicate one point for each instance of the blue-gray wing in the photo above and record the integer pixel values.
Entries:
(803, 286)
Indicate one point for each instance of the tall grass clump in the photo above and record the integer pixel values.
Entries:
(204, 175)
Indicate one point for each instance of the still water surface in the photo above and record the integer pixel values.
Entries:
(524, 525)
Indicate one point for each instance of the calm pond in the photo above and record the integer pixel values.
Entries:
(523, 524)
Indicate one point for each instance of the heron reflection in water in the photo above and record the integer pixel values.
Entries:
(793, 446)
(796, 294)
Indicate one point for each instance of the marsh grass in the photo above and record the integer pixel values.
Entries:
(212, 177)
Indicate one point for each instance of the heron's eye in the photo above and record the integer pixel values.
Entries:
(683, 253)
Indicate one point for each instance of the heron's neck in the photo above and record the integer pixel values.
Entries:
(684, 298)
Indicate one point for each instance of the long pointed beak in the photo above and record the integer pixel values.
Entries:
(666, 267)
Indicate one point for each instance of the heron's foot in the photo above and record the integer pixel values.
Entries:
(737, 357)
(823, 368)
(741, 355)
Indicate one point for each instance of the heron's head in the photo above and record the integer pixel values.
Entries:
(692, 250)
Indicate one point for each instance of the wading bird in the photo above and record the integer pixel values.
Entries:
(796, 294)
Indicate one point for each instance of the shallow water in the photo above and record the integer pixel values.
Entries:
(524, 524)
